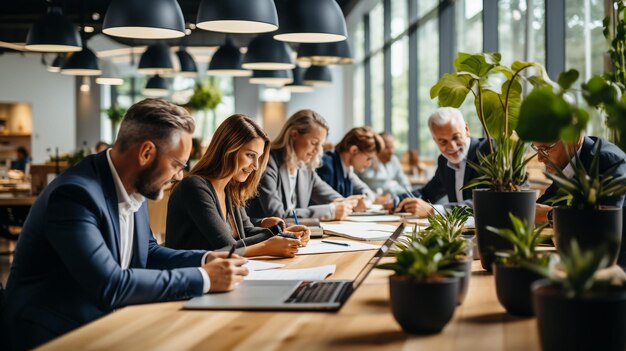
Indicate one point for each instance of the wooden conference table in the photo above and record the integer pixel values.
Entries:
(364, 322)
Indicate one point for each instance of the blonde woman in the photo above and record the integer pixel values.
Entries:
(290, 183)
(206, 209)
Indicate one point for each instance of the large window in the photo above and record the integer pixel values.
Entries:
(427, 76)
(521, 29)
(400, 93)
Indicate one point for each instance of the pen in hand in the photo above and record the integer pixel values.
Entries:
(232, 250)
(295, 217)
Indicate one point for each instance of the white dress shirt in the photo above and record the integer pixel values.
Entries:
(127, 206)
(386, 177)
(459, 171)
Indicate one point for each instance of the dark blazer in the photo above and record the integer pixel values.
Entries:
(443, 182)
(195, 219)
(312, 194)
(332, 173)
(67, 271)
(609, 156)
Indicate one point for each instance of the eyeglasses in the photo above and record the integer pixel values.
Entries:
(544, 150)
(180, 165)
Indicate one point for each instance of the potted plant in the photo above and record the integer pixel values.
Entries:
(115, 114)
(444, 233)
(513, 277)
(497, 92)
(581, 211)
(577, 312)
(205, 98)
(423, 292)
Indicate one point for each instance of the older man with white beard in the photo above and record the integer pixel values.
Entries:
(452, 136)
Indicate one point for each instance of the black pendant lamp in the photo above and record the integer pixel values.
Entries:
(141, 19)
(227, 60)
(312, 21)
(82, 63)
(318, 75)
(271, 77)
(298, 86)
(157, 59)
(188, 66)
(156, 87)
(325, 53)
(56, 65)
(53, 32)
(264, 52)
(110, 75)
(237, 16)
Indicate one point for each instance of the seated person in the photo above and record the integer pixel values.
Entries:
(101, 146)
(354, 152)
(452, 135)
(206, 210)
(386, 174)
(86, 247)
(290, 183)
(22, 159)
(558, 153)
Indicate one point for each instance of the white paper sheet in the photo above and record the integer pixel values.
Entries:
(314, 273)
(254, 265)
(318, 247)
(424, 222)
(384, 218)
(359, 231)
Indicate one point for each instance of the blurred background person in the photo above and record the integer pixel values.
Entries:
(386, 174)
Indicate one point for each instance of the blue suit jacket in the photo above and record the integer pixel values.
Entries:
(67, 270)
(332, 173)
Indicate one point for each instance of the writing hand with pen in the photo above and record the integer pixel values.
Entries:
(225, 270)
(416, 206)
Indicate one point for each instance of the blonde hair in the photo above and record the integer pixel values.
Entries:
(220, 159)
(303, 122)
(363, 138)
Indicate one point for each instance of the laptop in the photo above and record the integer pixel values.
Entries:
(319, 295)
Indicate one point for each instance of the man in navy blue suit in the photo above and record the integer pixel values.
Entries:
(86, 247)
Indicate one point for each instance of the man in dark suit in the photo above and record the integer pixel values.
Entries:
(452, 136)
(558, 153)
(86, 247)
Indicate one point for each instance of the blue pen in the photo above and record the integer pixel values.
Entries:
(295, 217)
(288, 236)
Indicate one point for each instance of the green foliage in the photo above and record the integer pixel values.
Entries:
(586, 189)
(525, 239)
(444, 231)
(73, 157)
(497, 91)
(420, 263)
(205, 97)
(115, 114)
(575, 272)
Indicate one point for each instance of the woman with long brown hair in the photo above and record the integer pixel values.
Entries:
(207, 208)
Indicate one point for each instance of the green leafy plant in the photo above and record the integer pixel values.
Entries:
(615, 109)
(115, 114)
(525, 238)
(585, 190)
(497, 91)
(420, 263)
(575, 272)
(444, 232)
(205, 97)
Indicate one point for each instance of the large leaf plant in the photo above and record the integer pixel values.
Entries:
(497, 91)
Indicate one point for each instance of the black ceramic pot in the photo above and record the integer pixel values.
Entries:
(492, 208)
(591, 229)
(423, 307)
(595, 321)
(465, 267)
(513, 288)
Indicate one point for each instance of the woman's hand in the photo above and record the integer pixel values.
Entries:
(300, 231)
(281, 247)
(272, 221)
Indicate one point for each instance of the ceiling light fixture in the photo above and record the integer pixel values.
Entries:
(188, 66)
(53, 32)
(298, 86)
(271, 77)
(158, 19)
(264, 52)
(156, 87)
(325, 53)
(237, 16)
(82, 63)
(318, 75)
(157, 59)
(312, 21)
(226, 61)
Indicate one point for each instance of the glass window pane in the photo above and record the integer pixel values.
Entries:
(358, 116)
(425, 6)
(427, 76)
(357, 42)
(400, 97)
(469, 26)
(522, 37)
(377, 94)
(377, 35)
(399, 17)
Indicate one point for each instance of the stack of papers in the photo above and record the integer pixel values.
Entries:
(424, 222)
(315, 273)
(254, 265)
(360, 231)
(319, 247)
(374, 218)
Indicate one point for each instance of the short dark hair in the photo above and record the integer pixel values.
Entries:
(153, 119)
(363, 138)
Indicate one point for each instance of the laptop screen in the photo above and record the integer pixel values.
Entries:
(379, 254)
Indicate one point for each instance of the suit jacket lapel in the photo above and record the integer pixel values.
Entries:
(470, 173)
(140, 240)
(110, 195)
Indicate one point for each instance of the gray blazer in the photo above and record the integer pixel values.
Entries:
(313, 195)
(195, 219)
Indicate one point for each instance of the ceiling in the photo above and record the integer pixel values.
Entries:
(17, 16)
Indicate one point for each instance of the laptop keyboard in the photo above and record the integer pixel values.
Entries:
(316, 292)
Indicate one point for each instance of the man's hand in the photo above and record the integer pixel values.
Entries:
(541, 213)
(300, 231)
(360, 205)
(224, 273)
(343, 209)
(272, 221)
(418, 207)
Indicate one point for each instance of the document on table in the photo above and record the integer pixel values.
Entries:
(254, 265)
(314, 273)
(381, 218)
(423, 222)
(319, 247)
(359, 231)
